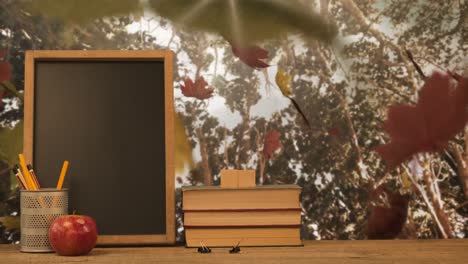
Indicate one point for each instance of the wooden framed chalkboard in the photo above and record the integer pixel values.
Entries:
(111, 115)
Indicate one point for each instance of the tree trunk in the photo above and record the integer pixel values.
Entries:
(243, 144)
(462, 165)
(434, 196)
(351, 7)
(362, 168)
(227, 164)
(431, 208)
(261, 158)
(207, 177)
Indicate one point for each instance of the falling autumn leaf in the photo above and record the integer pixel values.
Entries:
(5, 75)
(5, 68)
(334, 132)
(226, 18)
(197, 90)
(11, 143)
(427, 126)
(283, 80)
(251, 55)
(388, 217)
(251, 21)
(271, 143)
(183, 150)
(82, 11)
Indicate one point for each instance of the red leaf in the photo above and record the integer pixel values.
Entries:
(5, 68)
(387, 219)
(251, 55)
(334, 132)
(439, 115)
(271, 143)
(198, 89)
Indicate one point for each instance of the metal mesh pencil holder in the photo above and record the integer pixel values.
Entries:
(38, 210)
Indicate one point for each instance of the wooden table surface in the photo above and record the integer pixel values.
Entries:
(313, 252)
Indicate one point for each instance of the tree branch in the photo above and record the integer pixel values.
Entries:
(461, 22)
(355, 11)
(171, 39)
(434, 195)
(226, 149)
(462, 166)
(429, 205)
(261, 157)
(354, 139)
(418, 69)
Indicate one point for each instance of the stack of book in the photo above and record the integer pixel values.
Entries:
(253, 216)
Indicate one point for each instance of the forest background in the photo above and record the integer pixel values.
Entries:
(344, 90)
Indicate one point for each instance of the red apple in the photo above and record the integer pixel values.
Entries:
(73, 235)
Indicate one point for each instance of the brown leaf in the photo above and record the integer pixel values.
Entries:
(5, 68)
(197, 90)
(251, 55)
(387, 219)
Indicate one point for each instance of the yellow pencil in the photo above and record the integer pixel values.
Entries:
(33, 176)
(62, 175)
(29, 182)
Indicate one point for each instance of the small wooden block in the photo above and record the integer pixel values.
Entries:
(229, 179)
(246, 178)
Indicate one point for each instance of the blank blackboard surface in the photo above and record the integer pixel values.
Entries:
(107, 117)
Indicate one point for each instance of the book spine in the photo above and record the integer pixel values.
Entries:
(241, 199)
(242, 210)
(239, 226)
(252, 242)
(220, 237)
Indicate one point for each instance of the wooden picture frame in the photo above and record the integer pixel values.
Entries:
(113, 55)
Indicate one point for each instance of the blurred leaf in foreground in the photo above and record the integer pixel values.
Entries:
(11, 143)
(427, 126)
(183, 150)
(81, 11)
(252, 55)
(246, 21)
